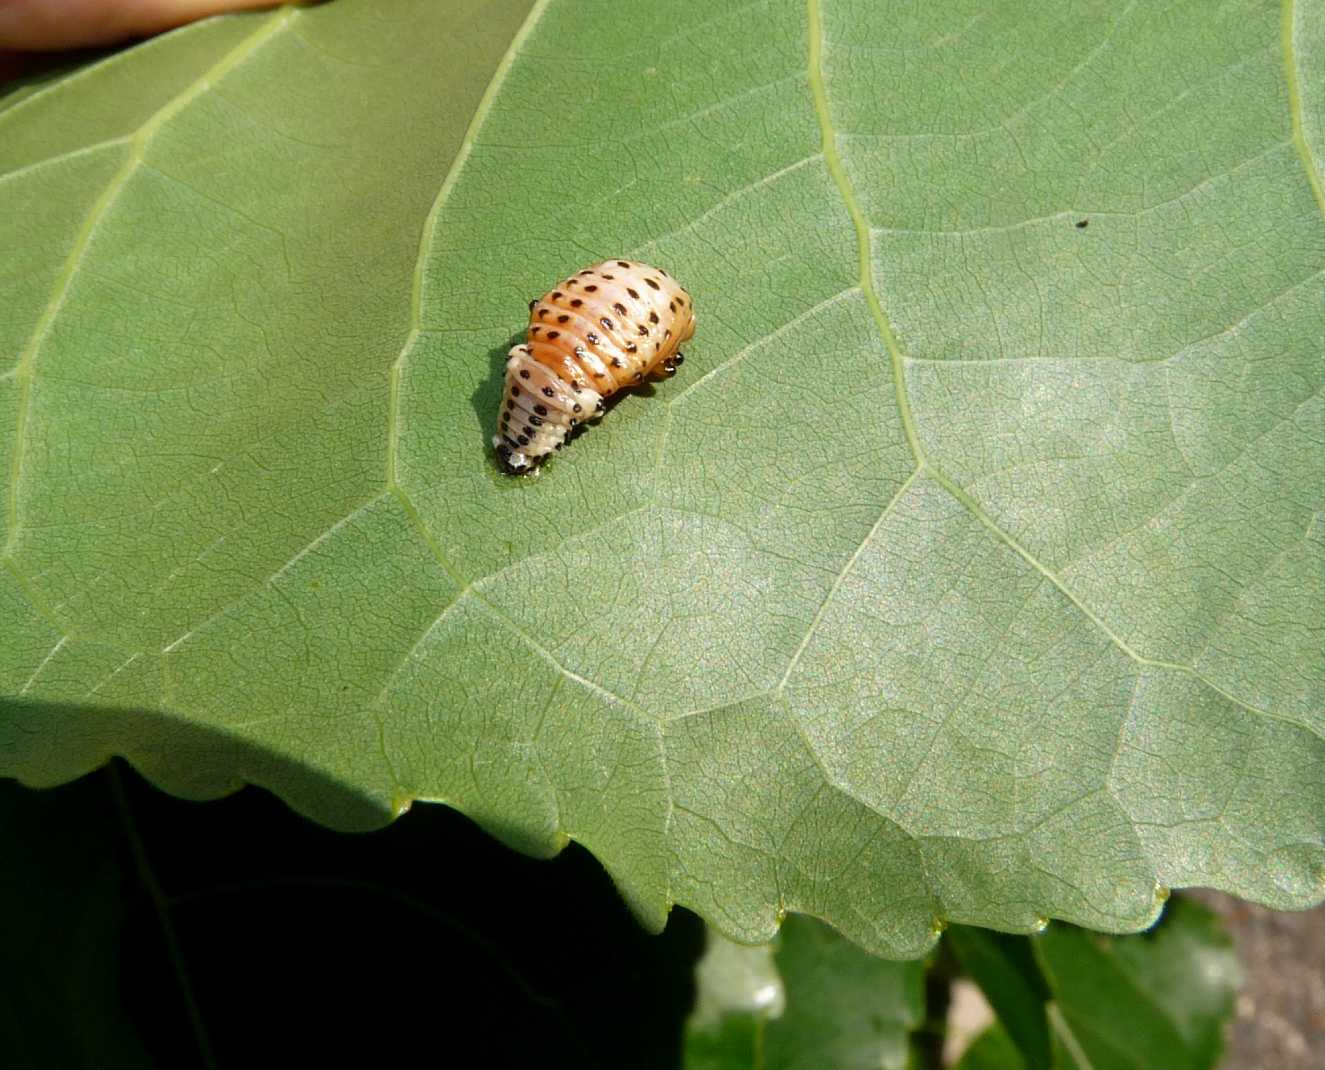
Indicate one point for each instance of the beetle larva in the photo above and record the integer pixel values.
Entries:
(604, 329)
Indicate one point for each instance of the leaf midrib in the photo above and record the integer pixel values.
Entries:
(1295, 106)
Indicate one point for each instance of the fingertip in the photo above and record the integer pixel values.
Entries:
(48, 25)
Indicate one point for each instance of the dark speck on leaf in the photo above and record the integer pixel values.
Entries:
(1082, 224)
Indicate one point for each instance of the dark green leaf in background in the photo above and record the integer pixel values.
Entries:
(63, 901)
(972, 571)
(1076, 1000)
(813, 1002)
(1008, 973)
(1128, 1002)
(738, 989)
(993, 1050)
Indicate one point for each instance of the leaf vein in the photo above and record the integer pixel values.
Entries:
(819, 94)
(138, 143)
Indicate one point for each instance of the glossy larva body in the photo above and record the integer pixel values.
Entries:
(606, 328)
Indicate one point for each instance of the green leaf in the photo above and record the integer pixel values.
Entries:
(1006, 970)
(1131, 1002)
(971, 571)
(737, 990)
(992, 1050)
(813, 1000)
(1073, 999)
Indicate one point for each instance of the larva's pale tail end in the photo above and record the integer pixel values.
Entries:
(513, 462)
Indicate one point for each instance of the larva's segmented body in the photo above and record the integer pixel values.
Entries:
(606, 328)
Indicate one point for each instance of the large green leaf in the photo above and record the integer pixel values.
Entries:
(972, 570)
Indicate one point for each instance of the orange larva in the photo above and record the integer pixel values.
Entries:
(604, 329)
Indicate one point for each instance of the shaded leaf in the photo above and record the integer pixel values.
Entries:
(241, 928)
(63, 895)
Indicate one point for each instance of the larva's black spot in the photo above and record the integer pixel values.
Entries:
(548, 392)
(524, 441)
(609, 278)
(591, 288)
(563, 318)
(643, 330)
(663, 274)
(542, 312)
(536, 422)
(553, 334)
(607, 323)
(620, 308)
(576, 303)
(623, 263)
(592, 338)
(586, 271)
(541, 410)
(576, 407)
(580, 351)
(667, 333)
(652, 282)
(631, 347)
(556, 294)
(535, 329)
(633, 292)
(616, 363)
(577, 387)
(671, 306)
(524, 374)
(531, 305)
(653, 317)
(528, 430)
